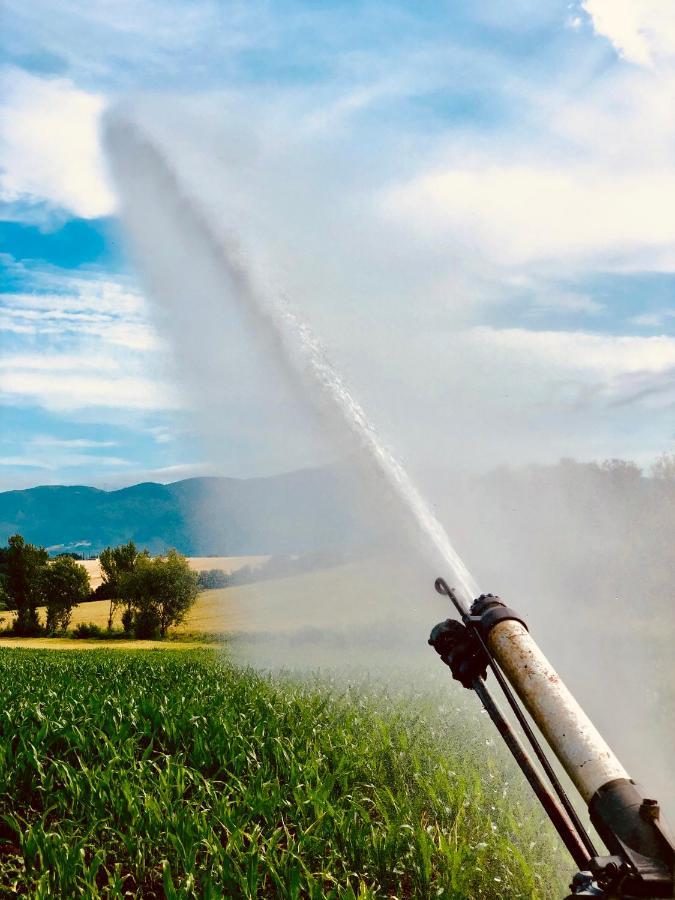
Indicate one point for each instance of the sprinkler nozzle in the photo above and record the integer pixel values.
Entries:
(459, 650)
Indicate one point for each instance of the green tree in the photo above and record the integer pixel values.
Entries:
(25, 564)
(65, 584)
(116, 564)
(161, 591)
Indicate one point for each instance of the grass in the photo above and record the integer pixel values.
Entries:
(178, 775)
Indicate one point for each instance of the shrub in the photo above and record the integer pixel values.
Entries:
(88, 630)
(208, 579)
(128, 620)
(146, 623)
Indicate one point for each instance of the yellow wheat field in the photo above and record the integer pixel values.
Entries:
(327, 599)
(198, 563)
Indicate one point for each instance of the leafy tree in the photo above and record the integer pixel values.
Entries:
(161, 591)
(65, 584)
(116, 564)
(25, 564)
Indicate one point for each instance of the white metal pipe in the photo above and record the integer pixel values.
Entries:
(585, 756)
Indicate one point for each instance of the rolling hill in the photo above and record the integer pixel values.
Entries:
(297, 512)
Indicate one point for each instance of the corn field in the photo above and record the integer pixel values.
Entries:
(158, 774)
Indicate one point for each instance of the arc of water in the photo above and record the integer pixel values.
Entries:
(303, 351)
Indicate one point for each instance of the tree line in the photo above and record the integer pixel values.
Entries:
(154, 593)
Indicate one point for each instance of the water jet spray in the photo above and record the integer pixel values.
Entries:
(641, 858)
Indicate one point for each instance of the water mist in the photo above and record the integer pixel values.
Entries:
(134, 153)
(222, 307)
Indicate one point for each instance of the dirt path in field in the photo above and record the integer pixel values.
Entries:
(72, 644)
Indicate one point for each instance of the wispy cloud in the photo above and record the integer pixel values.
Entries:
(653, 319)
(606, 355)
(45, 440)
(78, 340)
(65, 390)
(70, 461)
(63, 304)
(591, 369)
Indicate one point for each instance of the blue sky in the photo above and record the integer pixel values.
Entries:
(488, 184)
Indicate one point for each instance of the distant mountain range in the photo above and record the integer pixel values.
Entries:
(297, 512)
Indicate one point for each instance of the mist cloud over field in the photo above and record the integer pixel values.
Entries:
(582, 551)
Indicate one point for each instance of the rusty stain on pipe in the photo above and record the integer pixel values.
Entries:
(584, 754)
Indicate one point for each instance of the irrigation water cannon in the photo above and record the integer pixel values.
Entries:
(641, 857)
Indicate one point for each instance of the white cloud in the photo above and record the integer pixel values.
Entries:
(520, 214)
(550, 300)
(647, 320)
(62, 392)
(653, 319)
(79, 341)
(642, 31)
(93, 294)
(67, 382)
(58, 362)
(94, 308)
(27, 462)
(49, 148)
(161, 434)
(131, 41)
(579, 369)
(62, 461)
(45, 440)
(605, 355)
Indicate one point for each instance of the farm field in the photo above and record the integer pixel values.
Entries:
(319, 601)
(66, 643)
(180, 775)
(198, 563)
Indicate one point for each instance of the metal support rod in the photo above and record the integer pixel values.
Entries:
(557, 815)
(443, 588)
(543, 759)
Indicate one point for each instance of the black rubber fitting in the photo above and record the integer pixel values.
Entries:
(488, 610)
(460, 650)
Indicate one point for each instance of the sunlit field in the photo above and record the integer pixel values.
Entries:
(356, 595)
(178, 775)
(197, 563)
